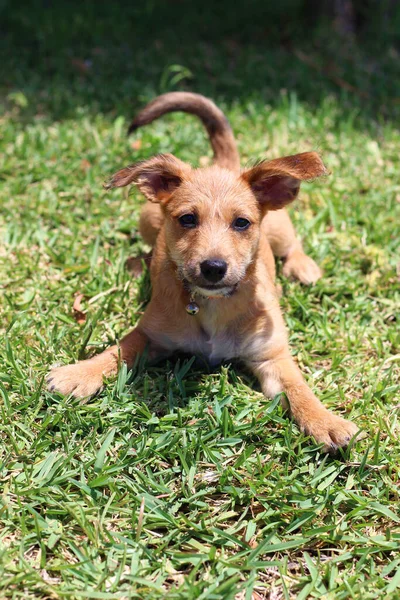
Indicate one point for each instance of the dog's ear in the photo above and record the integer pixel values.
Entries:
(157, 178)
(276, 182)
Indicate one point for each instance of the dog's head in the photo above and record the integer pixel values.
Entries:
(213, 216)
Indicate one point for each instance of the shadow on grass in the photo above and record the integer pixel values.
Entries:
(62, 59)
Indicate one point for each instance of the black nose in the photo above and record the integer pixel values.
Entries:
(213, 270)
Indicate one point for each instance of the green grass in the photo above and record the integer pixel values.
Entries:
(175, 482)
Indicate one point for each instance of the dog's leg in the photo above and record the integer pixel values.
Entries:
(282, 238)
(85, 378)
(281, 374)
(151, 220)
(150, 223)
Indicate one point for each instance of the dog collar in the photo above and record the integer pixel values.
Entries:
(192, 307)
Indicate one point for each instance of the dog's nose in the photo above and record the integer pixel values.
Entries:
(213, 270)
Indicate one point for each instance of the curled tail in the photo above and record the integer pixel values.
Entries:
(220, 133)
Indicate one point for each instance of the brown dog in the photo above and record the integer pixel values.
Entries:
(213, 270)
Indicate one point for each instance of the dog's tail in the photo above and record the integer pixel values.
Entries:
(217, 125)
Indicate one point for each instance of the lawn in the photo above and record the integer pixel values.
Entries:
(175, 482)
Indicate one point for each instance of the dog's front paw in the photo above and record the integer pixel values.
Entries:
(80, 380)
(330, 430)
(302, 267)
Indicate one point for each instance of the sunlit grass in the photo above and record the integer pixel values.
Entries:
(176, 482)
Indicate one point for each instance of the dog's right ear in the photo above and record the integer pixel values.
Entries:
(276, 182)
(157, 178)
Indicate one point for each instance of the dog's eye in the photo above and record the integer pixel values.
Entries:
(188, 221)
(241, 223)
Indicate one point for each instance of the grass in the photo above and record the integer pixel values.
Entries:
(175, 482)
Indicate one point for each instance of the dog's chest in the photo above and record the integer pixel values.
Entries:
(216, 341)
(216, 348)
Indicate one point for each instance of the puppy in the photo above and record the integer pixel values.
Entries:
(214, 232)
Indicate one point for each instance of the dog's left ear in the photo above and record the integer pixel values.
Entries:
(157, 178)
(276, 182)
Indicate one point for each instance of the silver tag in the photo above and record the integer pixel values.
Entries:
(192, 308)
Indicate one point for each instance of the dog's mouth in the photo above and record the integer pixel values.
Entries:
(211, 290)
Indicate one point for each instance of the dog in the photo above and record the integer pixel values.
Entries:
(215, 231)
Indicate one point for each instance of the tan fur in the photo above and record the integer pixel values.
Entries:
(278, 226)
(239, 316)
(213, 119)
